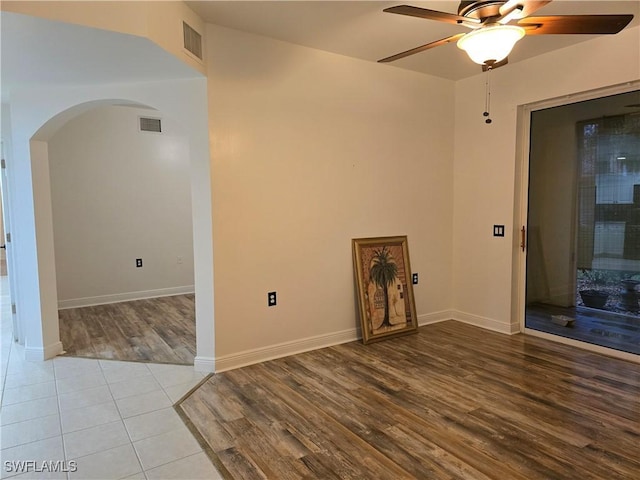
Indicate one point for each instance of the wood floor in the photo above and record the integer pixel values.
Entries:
(160, 330)
(598, 327)
(452, 402)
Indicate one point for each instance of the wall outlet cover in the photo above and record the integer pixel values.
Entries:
(271, 299)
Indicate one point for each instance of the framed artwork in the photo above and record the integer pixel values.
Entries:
(385, 293)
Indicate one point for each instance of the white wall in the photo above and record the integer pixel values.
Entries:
(160, 22)
(309, 150)
(118, 194)
(486, 158)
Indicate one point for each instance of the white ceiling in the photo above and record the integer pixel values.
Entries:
(35, 52)
(362, 30)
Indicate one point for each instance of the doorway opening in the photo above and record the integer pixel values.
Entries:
(123, 235)
(583, 256)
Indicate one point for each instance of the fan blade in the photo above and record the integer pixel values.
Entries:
(422, 48)
(575, 24)
(431, 15)
(528, 7)
(495, 65)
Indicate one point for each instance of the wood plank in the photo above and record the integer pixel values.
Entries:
(453, 401)
(160, 330)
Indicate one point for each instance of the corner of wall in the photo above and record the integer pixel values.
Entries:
(204, 364)
(39, 354)
(486, 323)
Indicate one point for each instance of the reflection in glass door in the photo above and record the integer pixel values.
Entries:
(583, 257)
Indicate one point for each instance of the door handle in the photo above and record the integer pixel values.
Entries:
(523, 238)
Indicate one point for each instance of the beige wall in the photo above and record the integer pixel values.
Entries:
(486, 159)
(310, 150)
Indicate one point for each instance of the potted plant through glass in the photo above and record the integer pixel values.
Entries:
(592, 291)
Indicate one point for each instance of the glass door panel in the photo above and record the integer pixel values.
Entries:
(583, 260)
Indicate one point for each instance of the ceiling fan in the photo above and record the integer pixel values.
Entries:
(497, 25)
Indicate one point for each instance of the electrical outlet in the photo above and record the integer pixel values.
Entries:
(414, 278)
(138, 262)
(179, 260)
(271, 299)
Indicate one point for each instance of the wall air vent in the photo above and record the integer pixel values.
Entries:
(150, 125)
(192, 40)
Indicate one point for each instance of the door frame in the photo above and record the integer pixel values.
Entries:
(18, 334)
(521, 208)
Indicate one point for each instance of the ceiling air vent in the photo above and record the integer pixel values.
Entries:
(192, 40)
(150, 125)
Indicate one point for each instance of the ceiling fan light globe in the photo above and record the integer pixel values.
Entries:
(490, 43)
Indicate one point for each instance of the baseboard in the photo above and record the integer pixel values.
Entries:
(487, 323)
(124, 297)
(435, 317)
(249, 357)
(39, 354)
(204, 364)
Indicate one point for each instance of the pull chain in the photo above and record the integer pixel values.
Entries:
(487, 97)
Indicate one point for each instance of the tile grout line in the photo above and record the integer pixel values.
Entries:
(60, 368)
(162, 388)
(34, 418)
(55, 384)
(4, 383)
(173, 408)
(6, 371)
(135, 451)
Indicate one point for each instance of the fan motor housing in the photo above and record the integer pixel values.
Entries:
(480, 10)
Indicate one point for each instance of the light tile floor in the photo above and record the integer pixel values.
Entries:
(115, 420)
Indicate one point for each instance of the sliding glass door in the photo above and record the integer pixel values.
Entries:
(583, 257)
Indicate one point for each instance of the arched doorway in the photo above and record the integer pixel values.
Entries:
(43, 112)
(121, 194)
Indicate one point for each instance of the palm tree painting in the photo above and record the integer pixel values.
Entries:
(383, 273)
(385, 294)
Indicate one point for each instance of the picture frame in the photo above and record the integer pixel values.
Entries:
(385, 292)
